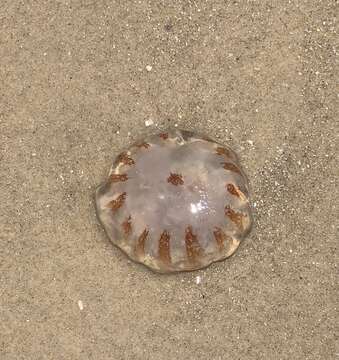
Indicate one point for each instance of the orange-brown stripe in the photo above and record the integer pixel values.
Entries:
(193, 248)
(164, 136)
(219, 237)
(116, 204)
(222, 151)
(143, 145)
(140, 247)
(164, 247)
(124, 158)
(231, 167)
(127, 226)
(118, 177)
(175, 179)
(235, 217)
(234, 190)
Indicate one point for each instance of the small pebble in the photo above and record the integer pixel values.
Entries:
(149, 68)
(81, 305)
(149, 122)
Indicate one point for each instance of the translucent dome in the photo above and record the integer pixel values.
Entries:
(175, 201)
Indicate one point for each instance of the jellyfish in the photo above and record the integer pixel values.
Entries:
(175, 201)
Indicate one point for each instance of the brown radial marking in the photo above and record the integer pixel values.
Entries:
(143, 145)
(234, 190)
(219, 237)
(175, 179)
(164, 247)
(127, 226)
(164, 136)
(231, 167)
(140, 247)
(222, 151)
(124, 158)
(118, 177)
(116, 204)
(235, 217)
(193, 248)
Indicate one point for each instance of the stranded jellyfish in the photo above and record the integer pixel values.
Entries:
(175, 201)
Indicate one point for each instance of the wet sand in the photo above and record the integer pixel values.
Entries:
(80, 80)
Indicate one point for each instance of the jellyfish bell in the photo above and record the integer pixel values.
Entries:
(175, 201)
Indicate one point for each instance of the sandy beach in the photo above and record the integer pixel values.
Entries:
(79, 81)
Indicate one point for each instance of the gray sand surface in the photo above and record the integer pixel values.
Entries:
(78, 81)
